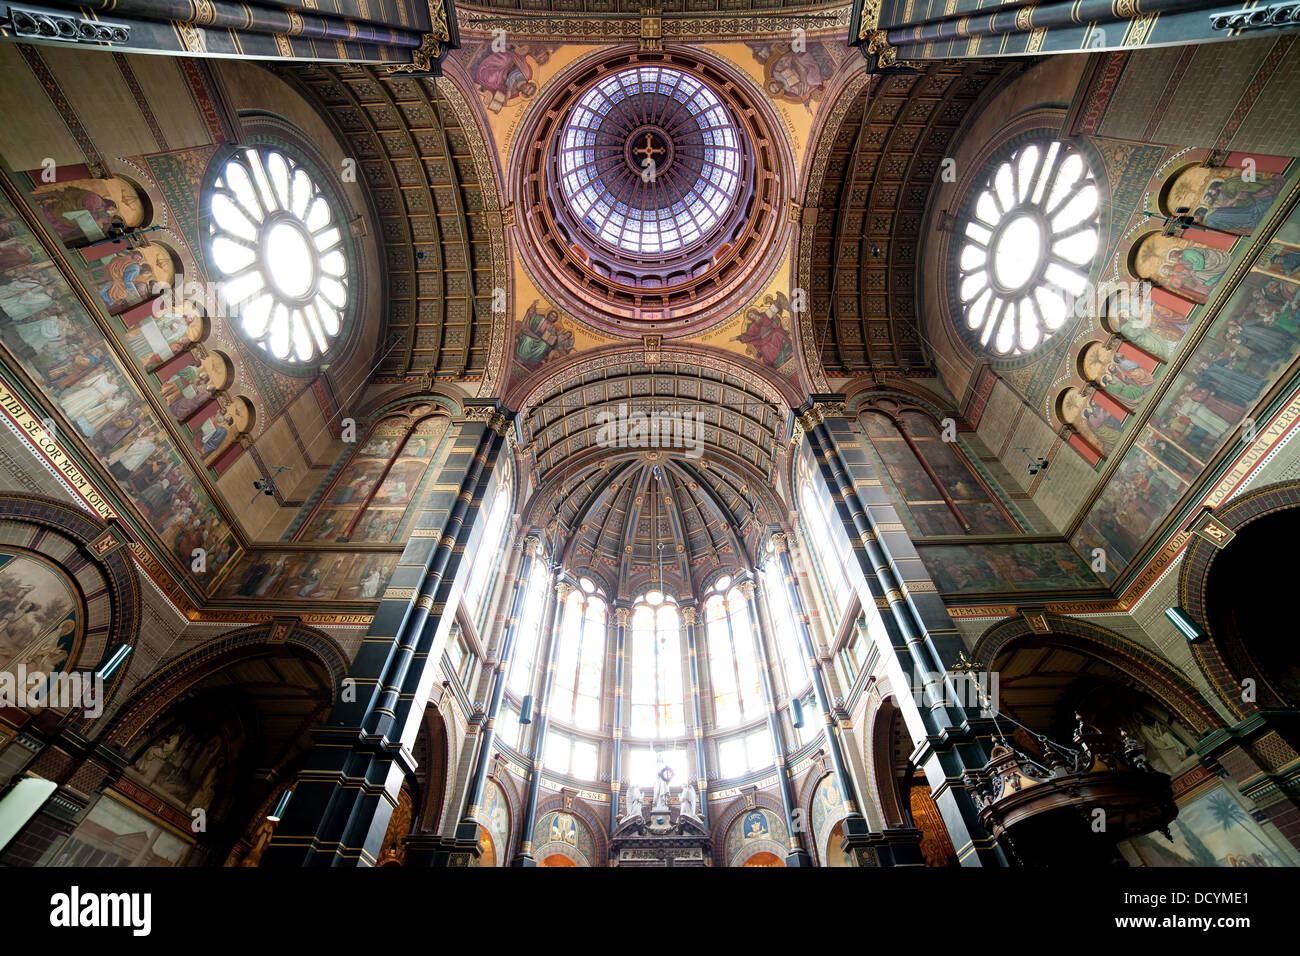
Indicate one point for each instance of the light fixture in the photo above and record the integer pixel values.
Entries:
(526, 710)
(110, 666)
(1183, 621)
(796, 711)
(280, 806)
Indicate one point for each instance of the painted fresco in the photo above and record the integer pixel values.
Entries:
(543, 336)
(828, 810)
(82, 211)
(369, 499)
(1212, 829)
(1224, 198)
(757, 830)
(1252, 342)
(1181, 266)
(766, 335)
(1280, 259)
(127, 278)
(985, 568)
(1158, 329)
(560, 831)
(504, 72)
(192, 763)
(1122, 377)
(44, 326)
(795, 76)
(310, 576)
(494, 816)
(40, 614)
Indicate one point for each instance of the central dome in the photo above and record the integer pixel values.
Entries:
(650, 161)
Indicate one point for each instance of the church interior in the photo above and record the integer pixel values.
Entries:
(649, 433)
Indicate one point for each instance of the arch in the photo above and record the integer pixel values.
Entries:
(1226, 662)
(435, 755)
(167, 684)
(1152, 675)
(565, 804)
(91, 552)
(728, 836)
(883, 760)
(83, 211)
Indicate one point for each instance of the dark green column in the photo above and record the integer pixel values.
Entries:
(529, 817)
(349, 786)
(922, 638)
(798, 854)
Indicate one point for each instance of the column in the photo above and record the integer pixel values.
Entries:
(690, 617)
(466, 835)
(798, 855)
(529, 817)
(621, 614)
(348, 788)
(911, 621)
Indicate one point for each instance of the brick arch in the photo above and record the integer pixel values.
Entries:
(599, 836)
(165, 686)
(1224, 661)
(1155, 676)
(435, 760)
(100, 544)
(735, 810)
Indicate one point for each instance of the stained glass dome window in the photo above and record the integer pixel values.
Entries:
(1026, 247)
(649, 161)
(279, 254)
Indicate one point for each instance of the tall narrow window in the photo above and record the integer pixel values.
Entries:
(793, 662)
(576, 696)
(818, 517)
(520, 680)
(733, 669)
(656, 698)
(488, 558)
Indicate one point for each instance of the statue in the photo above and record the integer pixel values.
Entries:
(633, 802)
(688, 800)
(663, 778)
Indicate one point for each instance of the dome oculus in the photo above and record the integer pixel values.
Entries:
(1026, 248)
(279, 255)
(649, 161)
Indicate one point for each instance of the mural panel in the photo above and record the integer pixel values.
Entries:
(311, 575)
(1210, 830)
(983, 568)
(41, 616)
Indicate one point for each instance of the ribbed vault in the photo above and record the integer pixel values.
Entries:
(884, 159)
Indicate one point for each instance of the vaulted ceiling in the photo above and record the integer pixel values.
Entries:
(415, 152)
(884, 160)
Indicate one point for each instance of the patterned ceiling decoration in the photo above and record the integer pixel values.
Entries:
(428, 171)
(883, 160)
(737, 422)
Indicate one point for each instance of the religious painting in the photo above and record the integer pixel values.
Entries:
(1155, 329)
(1280, 260)
(754, 826)
(757, 830)
(1212, 829)
(561, 831)
(160, 338)
(494, 820)
(1095, 422)
(1230, 199)
(828, 809)
(796, 71)
(41, 615)
(367, 577)
(1122, 377)
(127, 278)
(765, 336)
(191, 761)
(311, 576)
(82, 211)
(399, 485)
(1183, 267)
(543, 336)
(987, 568)
(378, 524)
(504, 72)
(45, 327)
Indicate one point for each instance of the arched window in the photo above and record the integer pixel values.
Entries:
(278, 252)
(571, 756)
(793, 663)
(657, 703)
(936, 485)
(527, 640)
(817, 516)
(576, 696)
(733, 669)
(740, 755)
(490, 549)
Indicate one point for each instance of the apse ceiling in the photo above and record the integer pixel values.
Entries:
(415, 151)
(884, 159)
(738, 422)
